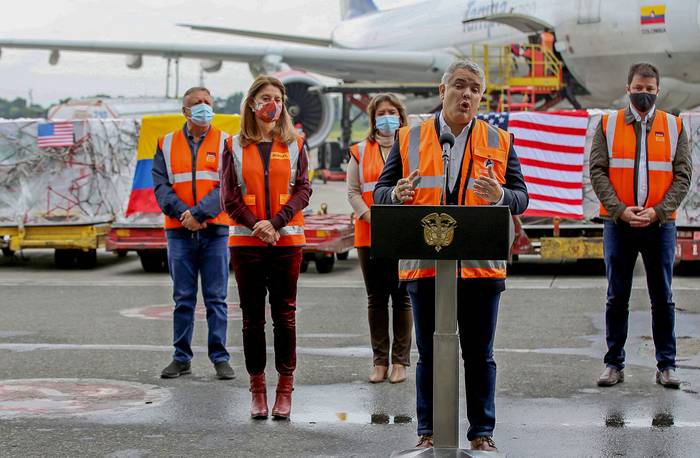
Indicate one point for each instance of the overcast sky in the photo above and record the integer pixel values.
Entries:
(83, 74)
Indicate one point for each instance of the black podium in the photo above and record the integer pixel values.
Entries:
(446, 234)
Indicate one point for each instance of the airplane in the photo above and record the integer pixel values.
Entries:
(596, 40)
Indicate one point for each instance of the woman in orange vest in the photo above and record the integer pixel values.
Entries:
(386, 114)
(264, 188)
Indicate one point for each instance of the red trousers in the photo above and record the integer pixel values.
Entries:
(259, 271)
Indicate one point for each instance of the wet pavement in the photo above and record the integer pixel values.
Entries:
(81, 353)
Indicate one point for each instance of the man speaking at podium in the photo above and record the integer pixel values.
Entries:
(483, 170)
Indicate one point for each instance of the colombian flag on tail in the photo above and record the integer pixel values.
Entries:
(655, 14)
(142, 198)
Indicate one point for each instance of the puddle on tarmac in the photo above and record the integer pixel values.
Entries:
(359, 418)
(660, 420)
(51, 397)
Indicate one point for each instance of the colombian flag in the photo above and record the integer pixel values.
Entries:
(142, 198)
(655, 14)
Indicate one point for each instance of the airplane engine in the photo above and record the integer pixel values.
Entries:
(315, 111)
(134, 61)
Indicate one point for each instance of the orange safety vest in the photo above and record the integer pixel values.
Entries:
(178, 164)
(282, 172)
(421, 150)
(370, 162)
(661, 143)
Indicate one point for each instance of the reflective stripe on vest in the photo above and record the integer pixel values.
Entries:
(370, 165)
(365, 186)
(167, 155)
(293, 233)
(662, 141)
(178, 166)
(426, 181)
(485, 142)
(187, 176)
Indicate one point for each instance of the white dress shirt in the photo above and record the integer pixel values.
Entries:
(456, 152)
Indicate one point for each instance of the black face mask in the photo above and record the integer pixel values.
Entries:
(642, 101)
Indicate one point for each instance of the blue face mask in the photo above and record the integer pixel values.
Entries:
(387, 124)
(201, 114)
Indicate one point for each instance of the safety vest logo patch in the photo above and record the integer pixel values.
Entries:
(211, 157)
(276, 155)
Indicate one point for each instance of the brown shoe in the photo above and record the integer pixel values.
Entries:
(611, 376)
(484, 444)
(668, 378)
(398, 373)
(283, 400)
(425, 442)
(378, 374)
(258, 405)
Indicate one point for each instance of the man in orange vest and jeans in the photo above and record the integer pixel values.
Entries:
(186, 170)
(640, 170)
(484, 170)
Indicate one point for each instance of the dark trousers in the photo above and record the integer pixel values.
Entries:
(188, 257)
(657, 244)
(477, 311)
(382, 282)
(259, 271)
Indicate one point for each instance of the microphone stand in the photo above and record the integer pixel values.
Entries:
(445, 170)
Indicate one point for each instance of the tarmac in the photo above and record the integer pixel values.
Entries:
(81, 354)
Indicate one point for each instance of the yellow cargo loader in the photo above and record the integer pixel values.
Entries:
(74, 245)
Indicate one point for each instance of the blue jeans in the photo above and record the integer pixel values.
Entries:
(187, 258)
(657, 244)
(477, 311)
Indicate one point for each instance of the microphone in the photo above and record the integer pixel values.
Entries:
(447, 140)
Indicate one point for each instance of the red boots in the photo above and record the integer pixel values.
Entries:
(258, 406)
(283, 401)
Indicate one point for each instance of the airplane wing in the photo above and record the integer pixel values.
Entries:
(266, 35)
(340, 63)
(522, 22)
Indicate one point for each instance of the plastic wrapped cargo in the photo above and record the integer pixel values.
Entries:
(689, 212)
(84, 182)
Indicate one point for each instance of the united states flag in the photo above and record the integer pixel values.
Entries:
(550, 147)
(54, 134)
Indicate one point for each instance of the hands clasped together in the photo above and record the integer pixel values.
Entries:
(639, 216)
(265, 231)
(190, 222)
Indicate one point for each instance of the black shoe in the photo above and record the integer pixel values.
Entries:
(224, 371)
(176, 369)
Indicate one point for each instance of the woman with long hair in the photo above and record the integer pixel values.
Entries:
(386, 114)
(264, 188)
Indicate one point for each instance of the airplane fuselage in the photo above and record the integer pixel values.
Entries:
(597, 40)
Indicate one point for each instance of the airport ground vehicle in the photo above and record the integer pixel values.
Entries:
(328, 236)
(75, 245)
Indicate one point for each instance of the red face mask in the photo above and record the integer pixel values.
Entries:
(268, 112)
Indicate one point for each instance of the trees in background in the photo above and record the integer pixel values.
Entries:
(18, 108)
